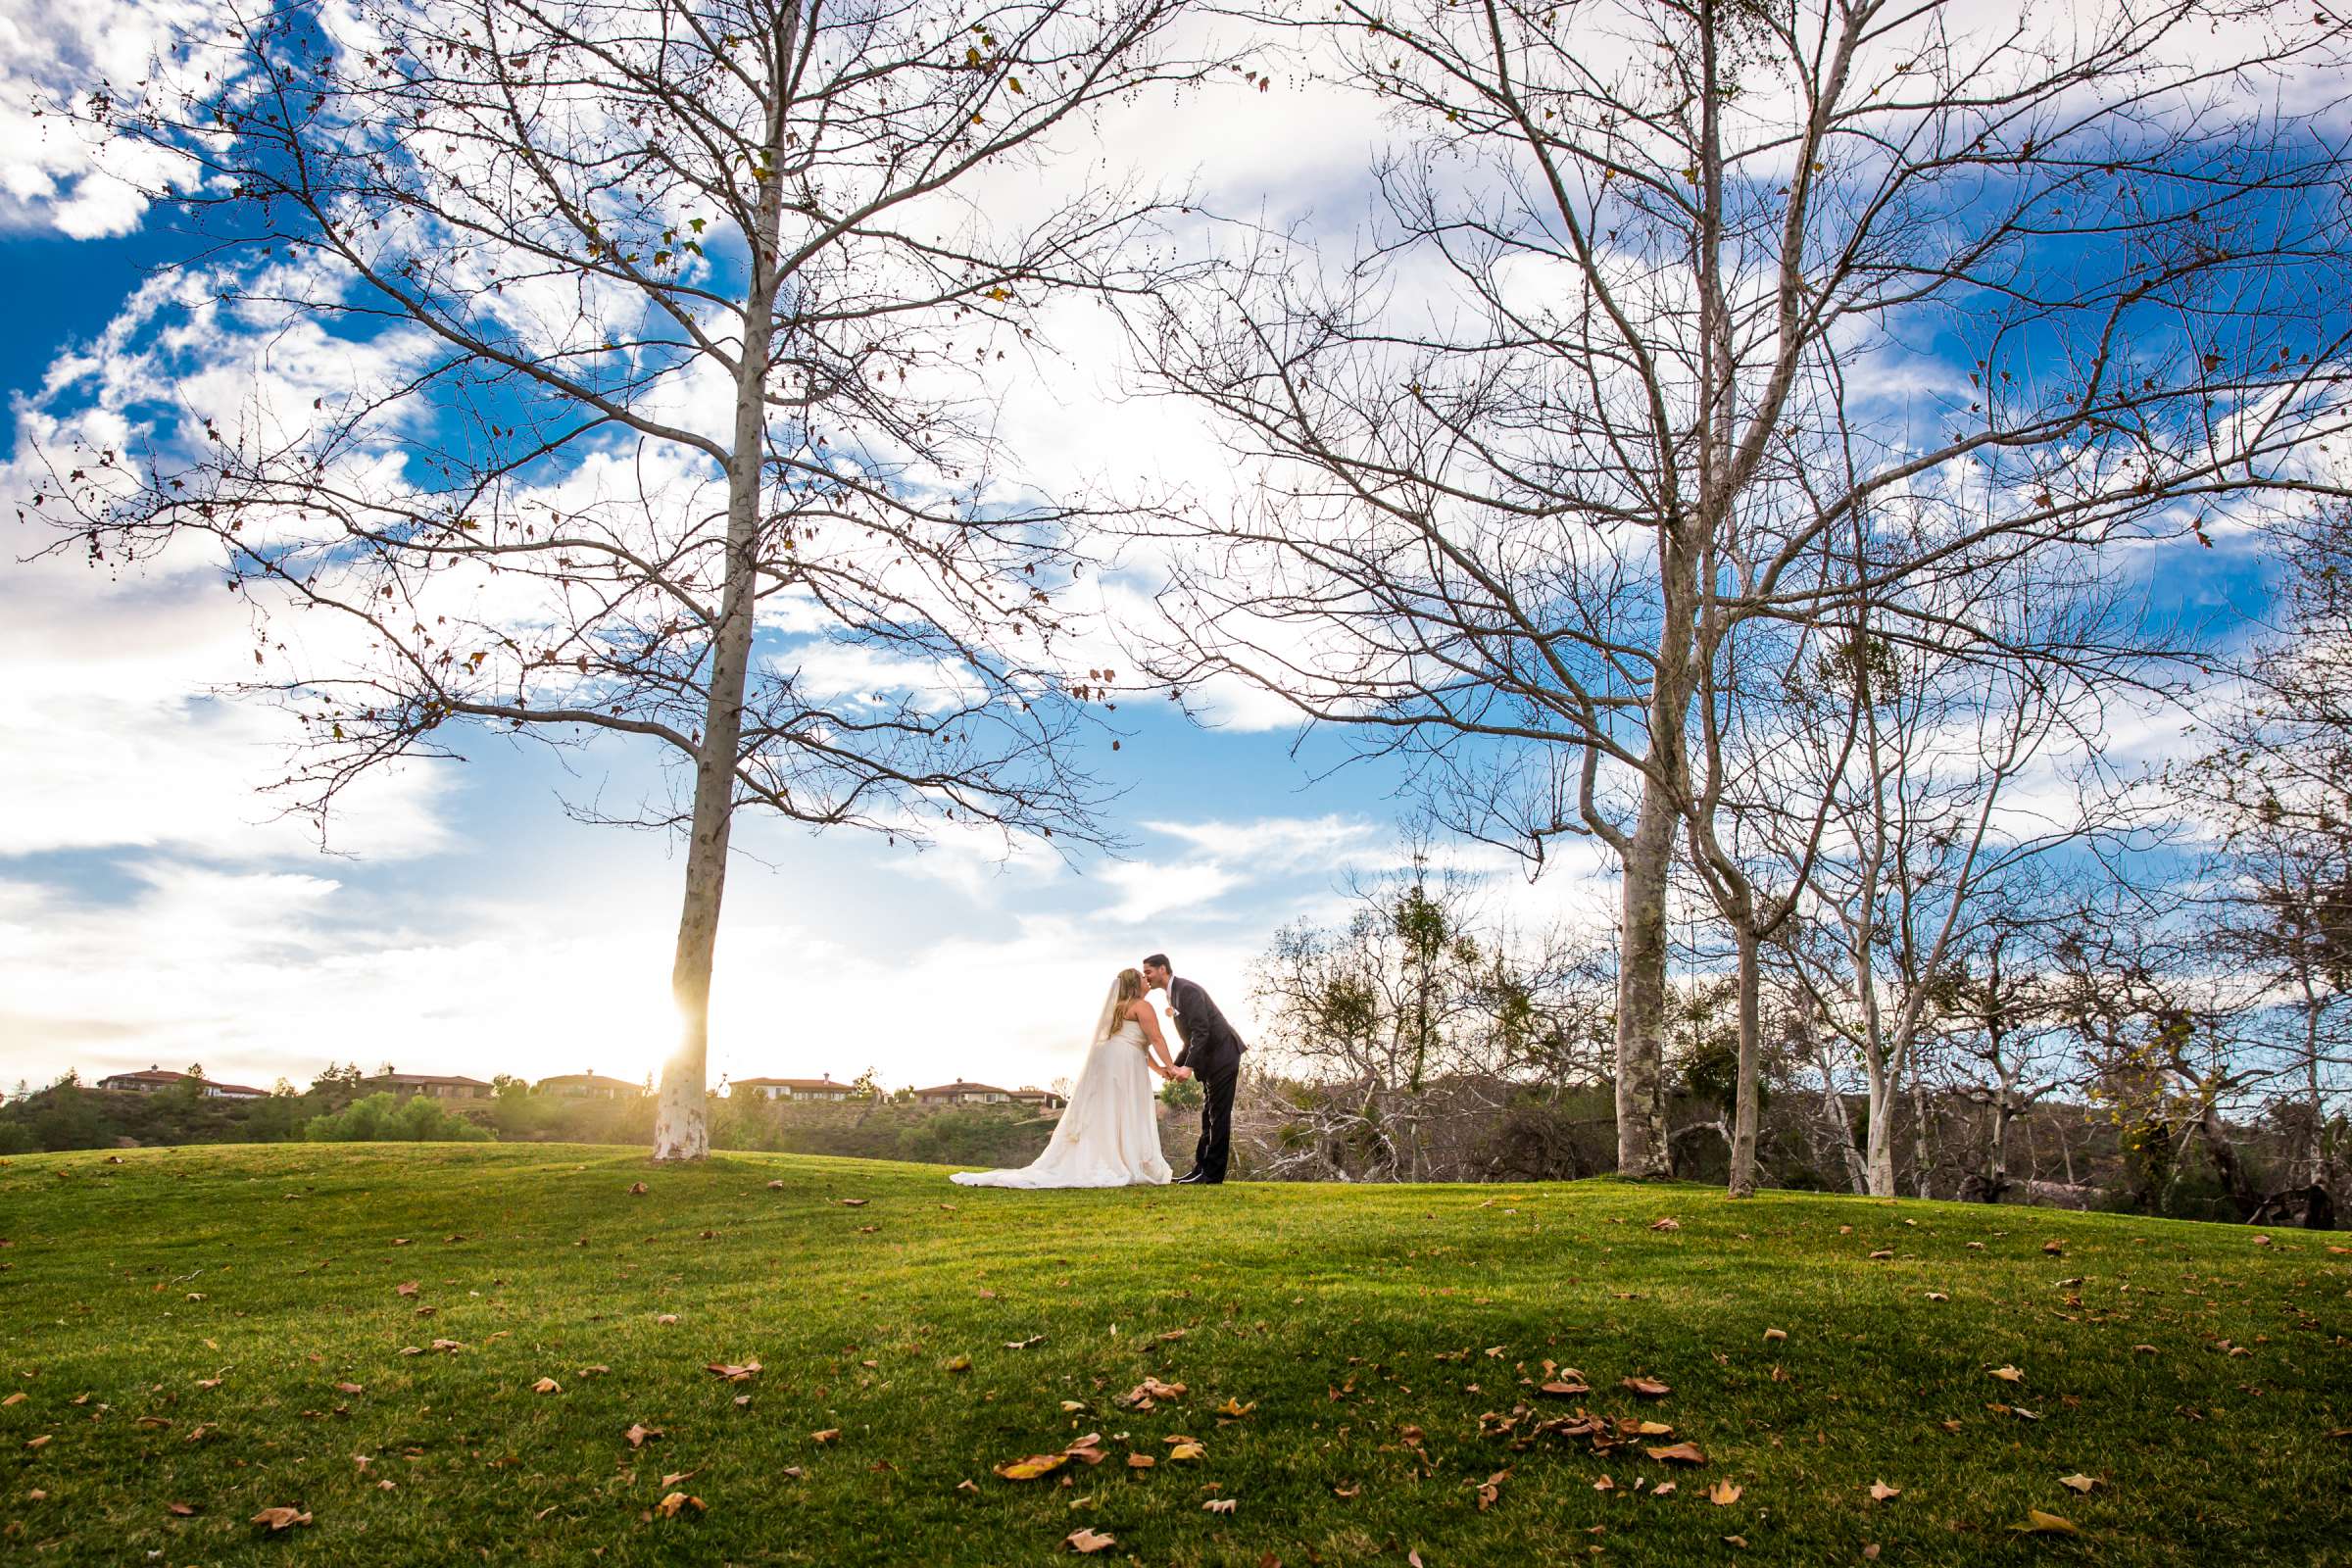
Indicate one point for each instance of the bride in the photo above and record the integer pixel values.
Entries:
(1108, 1136)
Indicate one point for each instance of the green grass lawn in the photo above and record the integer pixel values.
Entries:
(222, 1330)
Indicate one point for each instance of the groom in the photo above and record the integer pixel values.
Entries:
(1212, 1054)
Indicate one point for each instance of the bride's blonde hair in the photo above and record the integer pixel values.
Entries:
(1131, 989)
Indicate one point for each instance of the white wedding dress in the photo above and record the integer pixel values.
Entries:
(1108, 1136)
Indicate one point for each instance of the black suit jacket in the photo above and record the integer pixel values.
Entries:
(1209, 1045)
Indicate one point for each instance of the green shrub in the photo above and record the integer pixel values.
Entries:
(384, 1117)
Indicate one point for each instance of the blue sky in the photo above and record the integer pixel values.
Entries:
(152, 911)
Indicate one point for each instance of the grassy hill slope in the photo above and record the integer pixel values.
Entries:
(223, 1329)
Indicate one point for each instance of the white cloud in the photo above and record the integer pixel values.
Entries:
(110, 742)
(53, 174)
(1150, 891)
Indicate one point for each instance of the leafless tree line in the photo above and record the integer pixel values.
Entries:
(1733, 439)
(1730, 442)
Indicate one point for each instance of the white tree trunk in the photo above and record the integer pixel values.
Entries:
(682, 1118)
(1641, 1150)
(1880, 1146)
(1743, 1096)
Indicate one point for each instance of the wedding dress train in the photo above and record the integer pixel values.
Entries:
(1108, 1136)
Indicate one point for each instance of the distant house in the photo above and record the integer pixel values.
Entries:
(433, 1085)
(1042, 1099)
(155, 1080)
(587, 1086)
(793, 1088)
(964, 1094)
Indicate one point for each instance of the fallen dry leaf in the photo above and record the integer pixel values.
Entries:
(281, 1518)
(2080, 1482)
(17, 1398)
(1881, 1491)
(2056, 1249)
(671, 1503)
(1036, 1465)
(1145, 1394)
(1185, 1449)
(1775, 1336)
(637, 1188)
(675, 1477)
(853, 1202)
(829, 1435)
(1664, 1488)
(181, 1511)
(2038, 1523)
(1663, 1223)
(1140, 1461)
(405, 1288)
(1220, 1505)
(1678, 1453)
(959, 1364)
(734, 1374)
(1937, 1295)
(1491, 1489)
(775, 1186)
(1647, 1388)
(1087, 1540)
(1723, 1493)
(638, 1433)
(547, 1386)
(1882, 1255)
(1234, 1409)
(2008, 1374)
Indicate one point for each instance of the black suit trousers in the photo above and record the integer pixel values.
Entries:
(1215, 1148)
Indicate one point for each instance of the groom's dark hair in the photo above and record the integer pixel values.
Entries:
(1158, 960)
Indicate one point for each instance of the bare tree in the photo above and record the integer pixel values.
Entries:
(2277, 781)
(1414, 1017)
(2157, 1032)
(1666, 298)
(674, 330)
(2009, 1037)
(1966, 778)
(1372, 1013)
